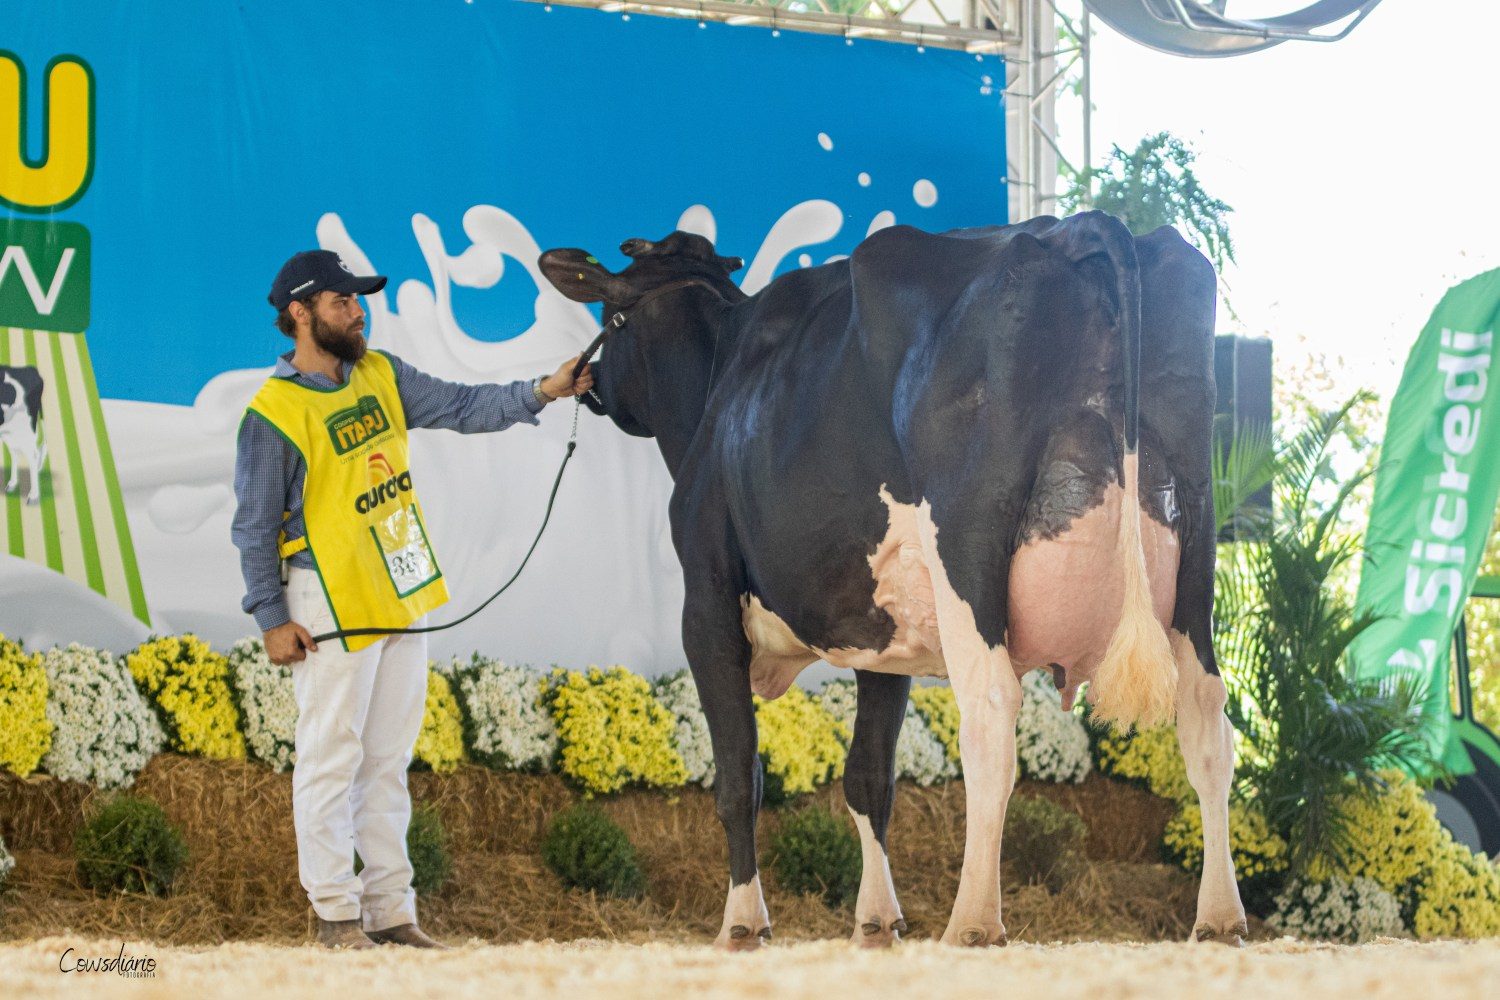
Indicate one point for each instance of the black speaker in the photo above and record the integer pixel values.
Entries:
(1242, 372)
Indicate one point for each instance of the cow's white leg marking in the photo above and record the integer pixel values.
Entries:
(747, 922)
(989, 699)
(1207, 744)
(877, 914)
(36, 472)
(38, 453)
(15, 465)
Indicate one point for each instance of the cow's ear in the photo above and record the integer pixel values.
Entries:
(579, 275)
(731, 264)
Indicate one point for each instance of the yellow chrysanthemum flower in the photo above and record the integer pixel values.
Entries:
(1256, 848)
(440, 744)
(612, 730)
(1149, 755)
(26, 735)
(801, 743)
(188, 683)
(1397, 840)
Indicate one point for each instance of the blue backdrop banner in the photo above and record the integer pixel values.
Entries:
(176, 154)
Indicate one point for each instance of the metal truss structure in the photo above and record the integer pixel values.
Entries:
(1042, 45)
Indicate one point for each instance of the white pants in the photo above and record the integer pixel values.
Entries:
(358, 716)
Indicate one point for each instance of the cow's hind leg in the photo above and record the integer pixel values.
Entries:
(12, 460)
(870, 789)
(989, 700)
(1207, 743)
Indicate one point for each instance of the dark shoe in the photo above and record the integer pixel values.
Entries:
(342, 934)
(406, 934)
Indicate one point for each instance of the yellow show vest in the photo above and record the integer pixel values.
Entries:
(364, 526)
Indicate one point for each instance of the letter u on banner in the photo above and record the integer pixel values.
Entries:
(62, 172)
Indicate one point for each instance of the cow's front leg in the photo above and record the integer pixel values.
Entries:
(38, 455)
(1207, 742)
(870, 789)
(719, 654)
(15, 467)
(989, 700)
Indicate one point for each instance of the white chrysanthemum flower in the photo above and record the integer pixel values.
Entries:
(104, 732)
(919, 753)
(678, 694)
(1051, 744)
(7, 863)
(1337, 910)
(505, 725)
(268, 704)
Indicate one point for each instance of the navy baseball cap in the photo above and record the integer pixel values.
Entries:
(313, 271)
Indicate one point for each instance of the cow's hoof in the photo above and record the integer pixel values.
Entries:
(976, 936)
(741, 938)
(874, 933)
(1231, 933)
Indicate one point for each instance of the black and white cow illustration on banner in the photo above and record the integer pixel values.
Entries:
(20, 422)
(970, 454)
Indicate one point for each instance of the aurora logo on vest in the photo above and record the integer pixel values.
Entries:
(353, 426)
(385, 485)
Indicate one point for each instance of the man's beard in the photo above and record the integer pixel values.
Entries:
(346, 345)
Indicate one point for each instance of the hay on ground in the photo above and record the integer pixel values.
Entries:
(241, 879)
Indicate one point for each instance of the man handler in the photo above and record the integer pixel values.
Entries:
(324, 485)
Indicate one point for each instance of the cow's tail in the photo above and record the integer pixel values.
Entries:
(1136, 682)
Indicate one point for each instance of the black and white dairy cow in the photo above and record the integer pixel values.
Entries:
(969, 454)
(20, 416)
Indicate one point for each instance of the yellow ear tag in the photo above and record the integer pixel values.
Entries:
(580, 275)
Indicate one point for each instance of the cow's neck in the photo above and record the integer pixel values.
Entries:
(682, 374)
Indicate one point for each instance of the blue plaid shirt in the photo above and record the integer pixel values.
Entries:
(269, 474)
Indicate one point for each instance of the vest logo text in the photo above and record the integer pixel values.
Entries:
(351, 427)
(385, 485)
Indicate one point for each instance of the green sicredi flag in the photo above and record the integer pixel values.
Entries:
(1435, 493)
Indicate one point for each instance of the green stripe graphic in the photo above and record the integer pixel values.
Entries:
(75, 470)
(46, 501)
(16, 537)
(116, 501)
(84, 531)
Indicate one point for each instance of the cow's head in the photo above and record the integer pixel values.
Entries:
(653, 373)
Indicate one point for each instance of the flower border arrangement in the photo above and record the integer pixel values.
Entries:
(609, 729)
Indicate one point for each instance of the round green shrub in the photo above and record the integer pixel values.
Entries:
(427, 848)
(130, 847)
(1043, 842)
(814, 852)
(588, 850)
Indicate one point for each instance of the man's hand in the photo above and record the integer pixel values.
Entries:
(560, 384)
(289, 643)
